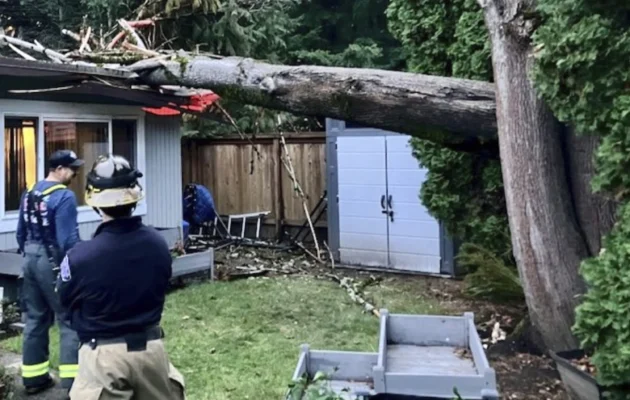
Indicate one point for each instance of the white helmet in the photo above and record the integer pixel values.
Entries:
(112, 182)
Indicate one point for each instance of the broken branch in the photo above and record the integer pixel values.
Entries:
(330, 255)
(307, 251)
(53, 55)
(288, 164)
(138, 49)
(132, 33)
(75, 37)
(84, 42)
(354, 294)
(21, 53)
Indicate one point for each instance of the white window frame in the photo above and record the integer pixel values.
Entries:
(69, 112)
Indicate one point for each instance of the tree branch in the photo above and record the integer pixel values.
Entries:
(456, 113)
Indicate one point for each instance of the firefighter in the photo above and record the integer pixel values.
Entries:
(114, 287)
(47, 229)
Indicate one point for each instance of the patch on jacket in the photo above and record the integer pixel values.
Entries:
(65, 270)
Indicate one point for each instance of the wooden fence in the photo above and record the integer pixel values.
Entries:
(242, 180)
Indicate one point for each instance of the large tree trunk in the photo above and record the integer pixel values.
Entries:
(548, 242)
(457, 113)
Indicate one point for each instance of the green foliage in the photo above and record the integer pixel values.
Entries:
(582, 52)
(489, 277)
(442, 38)
(348, 33)
(582, 71)
(602, 318)
(465, 192)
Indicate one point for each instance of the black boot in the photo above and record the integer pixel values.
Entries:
(40, 388)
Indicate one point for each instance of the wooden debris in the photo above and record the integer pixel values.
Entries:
(308, 252)
(84, 41)
(53, 55)
(21, 53)
(330, 255)
(498, 334)
(131, 32)
(584, 364)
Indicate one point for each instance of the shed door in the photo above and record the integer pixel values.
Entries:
(414, 235)
(362, 183)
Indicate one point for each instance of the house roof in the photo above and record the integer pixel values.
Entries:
(41, 80)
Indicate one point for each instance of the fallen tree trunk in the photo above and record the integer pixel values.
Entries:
(456, 113)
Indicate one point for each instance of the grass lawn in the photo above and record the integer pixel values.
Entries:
(240, 340)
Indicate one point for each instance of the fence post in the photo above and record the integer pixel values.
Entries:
(278, 200)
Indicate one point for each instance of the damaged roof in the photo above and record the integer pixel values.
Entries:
(47, 81)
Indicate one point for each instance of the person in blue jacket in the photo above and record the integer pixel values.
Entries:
(114, 287)
(47, 229)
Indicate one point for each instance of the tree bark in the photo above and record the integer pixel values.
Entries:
(456, 113)
(595, 213)
(547, 240)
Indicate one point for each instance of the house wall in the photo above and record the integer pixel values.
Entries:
(162, 177)
(164, 172)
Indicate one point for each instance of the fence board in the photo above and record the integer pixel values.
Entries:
(225, 167)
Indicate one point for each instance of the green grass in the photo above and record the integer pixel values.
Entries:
(240, 340)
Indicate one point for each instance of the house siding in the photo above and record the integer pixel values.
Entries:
(164, 171)
(163, 179)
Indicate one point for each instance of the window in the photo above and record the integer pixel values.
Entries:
(20, 159)
(124, 139)
(33, 130)
(87, 139)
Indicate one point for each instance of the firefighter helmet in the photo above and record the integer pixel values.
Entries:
(113, 182)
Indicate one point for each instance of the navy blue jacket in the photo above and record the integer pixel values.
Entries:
(115, 283)
(62, 217)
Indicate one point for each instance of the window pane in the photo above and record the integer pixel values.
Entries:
(20, 159)
(124, 138)
(88, 139)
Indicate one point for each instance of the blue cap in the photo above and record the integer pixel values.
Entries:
(64, 158)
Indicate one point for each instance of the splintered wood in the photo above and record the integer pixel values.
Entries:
(585, 365)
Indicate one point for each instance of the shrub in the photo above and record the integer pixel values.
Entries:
(489, 276)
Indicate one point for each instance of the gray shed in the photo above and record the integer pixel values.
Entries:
(375, 217)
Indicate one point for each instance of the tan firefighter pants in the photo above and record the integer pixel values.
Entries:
(110, 372)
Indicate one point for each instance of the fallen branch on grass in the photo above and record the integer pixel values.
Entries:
(247, 273)
(354, 294)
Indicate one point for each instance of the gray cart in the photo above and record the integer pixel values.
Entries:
(418, 355)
